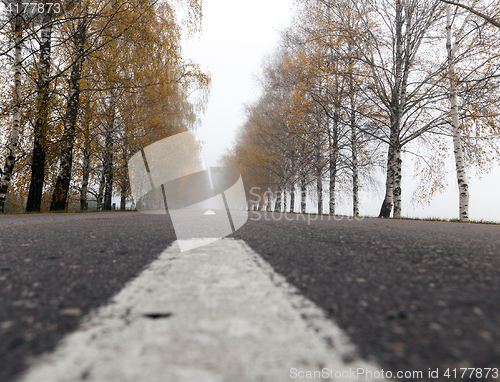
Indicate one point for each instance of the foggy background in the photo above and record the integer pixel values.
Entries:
(236, 38)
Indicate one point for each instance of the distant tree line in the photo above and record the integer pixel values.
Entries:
(359, 86)
(86, 84)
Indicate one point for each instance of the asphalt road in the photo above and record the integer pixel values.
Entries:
(411, 295)
(54, 268)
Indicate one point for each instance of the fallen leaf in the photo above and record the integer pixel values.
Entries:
(71, 312)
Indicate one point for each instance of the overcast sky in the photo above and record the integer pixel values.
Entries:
(236, 37)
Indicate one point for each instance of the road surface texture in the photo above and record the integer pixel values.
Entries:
(54, 268)
(415, 294)
(410, 295)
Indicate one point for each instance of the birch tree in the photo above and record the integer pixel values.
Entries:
(42, 113)
(61, 188)
(463, 186)
(10, 160)
(153, 96)
(489, 19)
(399, 83)
(377, 70)
(333, 76)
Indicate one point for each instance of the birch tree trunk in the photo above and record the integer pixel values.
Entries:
(10, 160)
(463, 186)
(303, 194)
(387, 204)
(277, 203)
(86, 163)
(269, 192)
(100, 193)
(41, 124)
(333, 152)
(355, 186)
(124, 183)
(354, 138)
(293, 188)
(354, 153)
(393, 186)
(123, 199)
(285, 200)
(85, 183)
(333, 175)
(397, 181)
(386, 209)
(402, 71)
(61, 189)
(319, 189)
(319, 172)
(108, 159)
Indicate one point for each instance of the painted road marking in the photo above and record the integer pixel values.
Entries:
(214, 314)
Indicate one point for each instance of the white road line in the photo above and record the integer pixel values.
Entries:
(218, 313)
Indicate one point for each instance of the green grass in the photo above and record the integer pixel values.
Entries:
(58, 212)
(430, 219)
(434, 219)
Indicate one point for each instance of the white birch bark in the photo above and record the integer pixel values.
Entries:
(293, 188)
(354, 153)
(331, 192)
(398, 104)
(319, 174)
(100, 193)
(285, 200)
(393, 183)
(277, 203)
(355, 182)
(463, 186)
(303, 194)
(124, 184)
(333, 151)
(86, 160)
(319, 189)
(108, 156)
(12, 145)
(388, 202)
(42, 120)
(397, 164)
(269, 193)
(62, 186)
